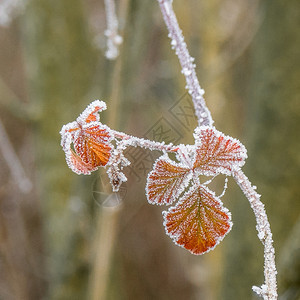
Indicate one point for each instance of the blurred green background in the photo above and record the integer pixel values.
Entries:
(58, 240)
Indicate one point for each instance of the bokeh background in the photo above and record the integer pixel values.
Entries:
(58, 238)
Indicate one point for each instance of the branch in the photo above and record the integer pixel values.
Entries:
(129, 140)
(186, 62)
(113, 38)
(269, 289)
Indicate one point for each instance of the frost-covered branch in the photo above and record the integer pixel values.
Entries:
(133, 141)
(90, 144)
(269, 289)
(113, 38)
(186, 62)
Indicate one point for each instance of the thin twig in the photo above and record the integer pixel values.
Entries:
(186, 62)
(13, 162)
(269, 289)
(144, 143)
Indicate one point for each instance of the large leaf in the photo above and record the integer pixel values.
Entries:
(93, 145)
(198, 222)
(216, 152)
(166, 181)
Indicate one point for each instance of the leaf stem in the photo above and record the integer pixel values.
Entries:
(144, 143)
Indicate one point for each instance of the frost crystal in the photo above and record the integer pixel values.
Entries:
(261, 235)
(186, 72)
(173, 43)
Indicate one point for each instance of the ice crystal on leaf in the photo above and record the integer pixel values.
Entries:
(86, 141)
(198, 222)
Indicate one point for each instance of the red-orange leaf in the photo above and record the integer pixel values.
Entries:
(166, 181)
(91, 140)
(92, 144)
(216, 152)
(199, 221)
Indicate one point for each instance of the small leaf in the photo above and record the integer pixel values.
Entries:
(199, 221)
(87, 145)
(93, 145)
(217, 153)
(166, 181)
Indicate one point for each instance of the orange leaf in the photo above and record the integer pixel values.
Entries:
(216, 152)
(198, 222)
(90, 138)
(166, 181)
(92, 145)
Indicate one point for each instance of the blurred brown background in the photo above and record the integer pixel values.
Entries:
(57, 238)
